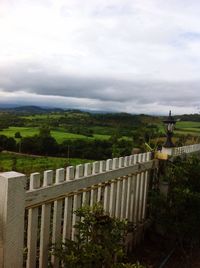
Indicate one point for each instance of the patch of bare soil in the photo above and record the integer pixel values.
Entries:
(190, 260)
(156, 251)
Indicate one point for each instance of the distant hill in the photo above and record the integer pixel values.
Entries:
(30, 110)
(188, 117)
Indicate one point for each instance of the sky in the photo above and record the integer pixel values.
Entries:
(135, 56)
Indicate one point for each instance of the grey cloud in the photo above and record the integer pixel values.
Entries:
(35, 78)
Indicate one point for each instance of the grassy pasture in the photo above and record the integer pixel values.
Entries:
(184, 128)
(25, 131)
(28, 164)
(60, 136)
(55, 116)
(187, 124)
(188, 127)
(42, 116)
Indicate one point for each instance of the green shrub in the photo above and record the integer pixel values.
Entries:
(99, 240)
(179, 212)
(128, 265)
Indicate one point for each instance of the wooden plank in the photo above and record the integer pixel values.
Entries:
(141, 190)
(86, 193)
(136, 199)
(76, 201)
(107, 188)
(49, 193)
(118, 198)
(123, 204)
(57, 217)
(93, 195)
(148, 157)
(45, 224)
(67, 218)
(12, 207)
(133, 189)
(32, 232)
(100, 191)
(128, 197)
(113, 189)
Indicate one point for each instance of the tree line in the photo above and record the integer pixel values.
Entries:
(45, 144)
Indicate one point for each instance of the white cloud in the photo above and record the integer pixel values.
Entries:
(155, 42)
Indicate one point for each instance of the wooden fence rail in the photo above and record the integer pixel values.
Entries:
(30, 220)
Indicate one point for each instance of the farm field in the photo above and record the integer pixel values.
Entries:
(188, 124)
(29, 164)
(60, 136)
(184, 127)
(188, 127)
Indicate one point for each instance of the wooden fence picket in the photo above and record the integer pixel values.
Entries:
(57, 217)
(32, 232)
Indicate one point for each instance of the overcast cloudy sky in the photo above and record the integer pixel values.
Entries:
(138, 56)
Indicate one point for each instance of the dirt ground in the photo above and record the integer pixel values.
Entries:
(157, 251)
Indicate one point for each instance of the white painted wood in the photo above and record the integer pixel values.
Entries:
(76, 201)
(107, 188)
(126, 161)
(146, 186)
(45, 224)
(79, 171)
(113, 189)
(67, 219)
(93, 195)
(100, 191)
(133, 189)
(76, 205)
(109, 164)
(32, 225)
(123, 204)
(88, 169)
(12, 202)
(102, 167)
(12, 207)
(57, 217)
(131, 158)
(119, 191)
(70, 173)
(68, 209)
(136, 199)
(49, 193)
(128, 198)
(142, 190)
(86, 193)
(121, 162)
(118, 198)
(133, 193)
(96, 167)
(141, 187)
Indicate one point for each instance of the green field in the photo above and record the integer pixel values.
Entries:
(28, 164)
(42, 116)
(59, 135)
(184, 128)
(187, 124)
(188, 127)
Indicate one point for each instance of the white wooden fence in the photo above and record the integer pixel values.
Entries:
(186, 149)
(32, 219)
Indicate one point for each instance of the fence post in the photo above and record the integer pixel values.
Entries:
(12, 208)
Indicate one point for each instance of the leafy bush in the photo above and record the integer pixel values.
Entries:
(179, 212)
(99, 240)
(128, 265)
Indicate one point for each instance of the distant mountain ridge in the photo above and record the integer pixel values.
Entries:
(33, 109)
(30, 109)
